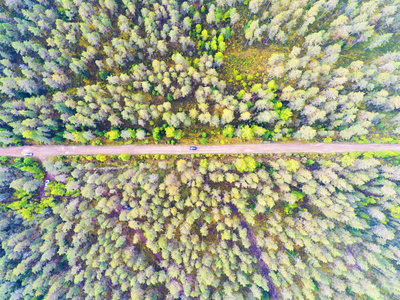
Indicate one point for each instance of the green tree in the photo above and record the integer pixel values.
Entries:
(113, 135)
(272, 85)
(57, 188)
(141, 134)
(222, 46)
(251, 164)
(204, 35)
(157, 133)
(170, 97)
(292, 165)
(128, 133)
(219, 58)
(204, 163)
(240, 165)
(178, 134)
(169, 132)
(259, 131)
(198, 28)
(214, 45)
(247, 132)
(306, 133)
(247, 164)
(285, 114)
(241, 94)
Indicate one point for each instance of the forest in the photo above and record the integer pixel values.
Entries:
(202, 227)
(166, 71)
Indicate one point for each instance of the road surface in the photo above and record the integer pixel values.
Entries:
(43, 152)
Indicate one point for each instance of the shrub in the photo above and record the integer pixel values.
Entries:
(204, 141)
(97, 143)
(101, 158)
(229, 131)
(125, 157)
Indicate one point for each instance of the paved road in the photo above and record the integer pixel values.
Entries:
(43, 152)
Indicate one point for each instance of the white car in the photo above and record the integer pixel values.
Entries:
(46, 183)
(29, 154)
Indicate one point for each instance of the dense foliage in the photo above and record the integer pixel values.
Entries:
(237, 227)
(89, 71)
(21, 182)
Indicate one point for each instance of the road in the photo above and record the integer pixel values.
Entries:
(44, 152)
